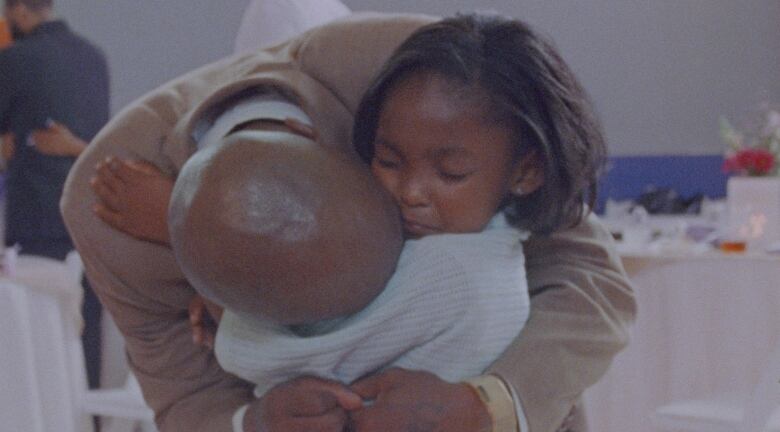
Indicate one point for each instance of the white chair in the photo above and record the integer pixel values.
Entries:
(43, 384)
(40, 321)
(125, 403)
(758, 412)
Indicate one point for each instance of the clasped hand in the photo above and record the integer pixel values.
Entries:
(396, 400)
(400, 401)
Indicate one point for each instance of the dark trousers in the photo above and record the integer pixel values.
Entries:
(91, 309)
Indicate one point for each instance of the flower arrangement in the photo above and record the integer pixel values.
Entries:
(753, 155)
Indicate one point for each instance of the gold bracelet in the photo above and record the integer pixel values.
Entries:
(499, 402)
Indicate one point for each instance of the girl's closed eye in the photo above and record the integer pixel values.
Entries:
(386, 157)
(455, 167)
(451, 176)
(387, 163)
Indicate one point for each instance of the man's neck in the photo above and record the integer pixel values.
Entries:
(39, 18)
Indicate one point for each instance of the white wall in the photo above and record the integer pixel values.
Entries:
(149, 42)
(659, 71)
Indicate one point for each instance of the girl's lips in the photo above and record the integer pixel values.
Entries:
(416, 229)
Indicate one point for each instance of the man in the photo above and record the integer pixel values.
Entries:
(581, 304)
(54, 78)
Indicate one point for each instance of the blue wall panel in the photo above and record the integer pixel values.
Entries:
(627, 177)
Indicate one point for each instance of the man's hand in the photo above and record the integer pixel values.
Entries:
(305, 404)
(204, 319)
(411, 401)
(133, 198)
(57, 140)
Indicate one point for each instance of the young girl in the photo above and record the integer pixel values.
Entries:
(480, 133)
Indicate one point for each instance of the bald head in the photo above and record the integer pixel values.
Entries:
(272, 224)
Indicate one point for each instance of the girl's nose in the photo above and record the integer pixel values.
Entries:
(412, 191)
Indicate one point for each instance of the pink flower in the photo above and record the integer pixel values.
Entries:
(763, 162)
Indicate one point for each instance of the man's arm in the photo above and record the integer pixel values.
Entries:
(140, 283)
(7, 89)
(58, 140)
(581, 307)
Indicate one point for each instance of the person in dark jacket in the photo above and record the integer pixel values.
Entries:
(51, 79)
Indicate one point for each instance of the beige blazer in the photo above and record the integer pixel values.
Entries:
(582, 302)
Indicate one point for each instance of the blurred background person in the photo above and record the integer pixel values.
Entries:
(55, 82)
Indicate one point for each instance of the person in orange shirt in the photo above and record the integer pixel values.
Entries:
(6, 140)
(5, 34)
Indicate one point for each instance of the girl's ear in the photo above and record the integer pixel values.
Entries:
(528, 175)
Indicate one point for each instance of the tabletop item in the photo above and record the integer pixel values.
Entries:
(753, 151)
(668, 201)
(754, 210)
(773, 248)
(8, 258)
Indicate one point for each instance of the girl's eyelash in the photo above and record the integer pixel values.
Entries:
(453, 177)
(384, 163)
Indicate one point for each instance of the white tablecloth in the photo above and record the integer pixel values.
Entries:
(41, 359)
(705, 326)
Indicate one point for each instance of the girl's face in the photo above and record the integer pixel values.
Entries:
(446, 165)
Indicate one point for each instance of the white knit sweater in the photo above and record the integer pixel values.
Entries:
(454, 304)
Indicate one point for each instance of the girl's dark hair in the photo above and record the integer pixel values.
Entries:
(530, 89)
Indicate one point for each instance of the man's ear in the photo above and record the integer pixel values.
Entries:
(528, 175)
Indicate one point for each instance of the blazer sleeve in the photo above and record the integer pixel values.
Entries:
(8, 83)
(140, 283)
(582, 305)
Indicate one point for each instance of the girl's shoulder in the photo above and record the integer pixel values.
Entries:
(497, 235)
(466, 254)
